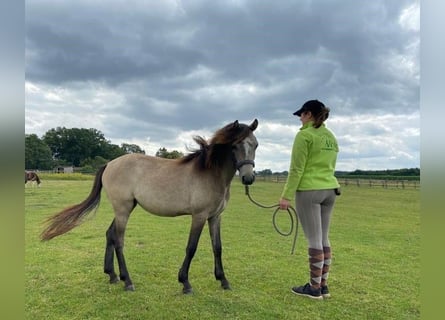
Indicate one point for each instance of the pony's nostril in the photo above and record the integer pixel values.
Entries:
(247, 180)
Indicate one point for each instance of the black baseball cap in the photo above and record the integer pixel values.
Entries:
(314, 106)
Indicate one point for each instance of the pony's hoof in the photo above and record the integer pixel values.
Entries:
(129, 288)
(226, 285)
(187, 291)
(114, 280)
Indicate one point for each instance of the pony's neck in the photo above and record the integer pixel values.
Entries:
(228, 170)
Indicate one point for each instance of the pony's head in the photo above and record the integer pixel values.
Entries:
(243, 149)
(235, 141)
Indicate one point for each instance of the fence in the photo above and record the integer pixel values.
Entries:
(383, 183)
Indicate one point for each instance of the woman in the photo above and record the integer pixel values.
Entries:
(312, 182)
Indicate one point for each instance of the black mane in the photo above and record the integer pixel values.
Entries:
(213, 154)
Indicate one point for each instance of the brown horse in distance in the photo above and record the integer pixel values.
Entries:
(31, 176)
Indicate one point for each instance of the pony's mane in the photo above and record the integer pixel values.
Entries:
(213, 153)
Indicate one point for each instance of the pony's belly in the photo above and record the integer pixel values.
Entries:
(163, 211)
(167, 214)
(174, 208)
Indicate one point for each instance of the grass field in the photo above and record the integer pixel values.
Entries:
(375, 237)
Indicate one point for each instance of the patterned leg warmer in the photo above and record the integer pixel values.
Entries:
(326, 265)
(316, 259)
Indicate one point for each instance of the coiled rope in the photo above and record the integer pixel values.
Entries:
(292, 215)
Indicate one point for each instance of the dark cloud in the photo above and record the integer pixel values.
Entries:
(193, 64)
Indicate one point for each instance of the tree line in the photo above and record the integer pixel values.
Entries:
(89, 149)
(77, 147)
(405, 173)
(389, 172)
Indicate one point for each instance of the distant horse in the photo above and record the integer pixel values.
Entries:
(33, 177)
(197, 184)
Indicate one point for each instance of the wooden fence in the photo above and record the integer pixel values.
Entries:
(344, 182)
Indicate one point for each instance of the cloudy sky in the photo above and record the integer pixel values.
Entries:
(156, 73)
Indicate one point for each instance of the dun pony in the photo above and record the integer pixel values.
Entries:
(197, 184)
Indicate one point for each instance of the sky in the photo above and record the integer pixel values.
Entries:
(157, 73)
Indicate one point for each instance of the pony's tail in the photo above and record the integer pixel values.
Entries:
(71, 217)
(37, 179)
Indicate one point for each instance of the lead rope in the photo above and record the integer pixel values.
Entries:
(292, 214)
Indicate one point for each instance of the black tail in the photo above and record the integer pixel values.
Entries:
(71, 217)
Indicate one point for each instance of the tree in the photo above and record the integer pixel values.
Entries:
(164, 153)
(265, 172)
(74, 145)
(131, 148)
(92, 165)
(112, 151)
(83, 147)
(38, 154)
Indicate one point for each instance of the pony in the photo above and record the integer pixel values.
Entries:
(198, 184)
(31, 176)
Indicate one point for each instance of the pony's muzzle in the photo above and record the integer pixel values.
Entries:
(247, 176)
(248, 179)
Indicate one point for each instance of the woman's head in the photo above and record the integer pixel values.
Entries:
(315, 111)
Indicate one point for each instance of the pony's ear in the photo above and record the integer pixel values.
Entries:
(254, 125)
(235, 124)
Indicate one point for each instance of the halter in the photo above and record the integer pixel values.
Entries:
(241, 163)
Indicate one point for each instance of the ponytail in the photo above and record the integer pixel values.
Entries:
(321, 117)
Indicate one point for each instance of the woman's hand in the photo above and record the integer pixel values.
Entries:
(284, 204)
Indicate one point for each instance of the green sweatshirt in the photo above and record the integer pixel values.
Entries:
(313, 160)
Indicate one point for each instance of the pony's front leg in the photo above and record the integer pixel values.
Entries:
(215, 235)
(192, 244)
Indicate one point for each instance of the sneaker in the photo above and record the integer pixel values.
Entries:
(308, 291)
(325, 292)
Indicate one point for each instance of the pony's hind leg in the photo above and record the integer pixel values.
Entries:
(215, 235)
(109, 254)
(117, 232)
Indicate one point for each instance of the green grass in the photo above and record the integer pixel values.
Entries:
(66, 176)
(375, 237)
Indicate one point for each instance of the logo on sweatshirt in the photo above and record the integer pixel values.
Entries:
(329, 144)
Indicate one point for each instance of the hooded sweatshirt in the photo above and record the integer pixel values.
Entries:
(313, 160)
